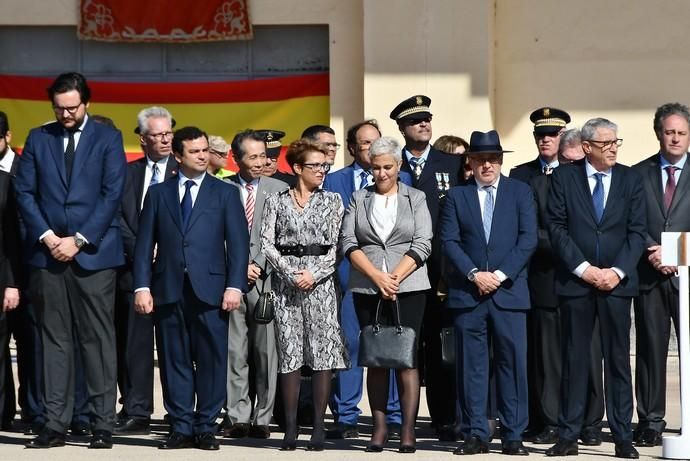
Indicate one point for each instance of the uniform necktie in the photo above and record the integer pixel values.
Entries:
(598, 196)
(488, 211)
(363, 179)
(417, 165)
(670, 186)
(249, 206)
(69, 154)
(187, 203)
(154, 175)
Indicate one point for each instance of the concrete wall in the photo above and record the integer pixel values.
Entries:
(485, 64)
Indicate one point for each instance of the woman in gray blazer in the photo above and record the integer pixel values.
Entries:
(386, 234)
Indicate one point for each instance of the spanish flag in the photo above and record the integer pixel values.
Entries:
(288, 104)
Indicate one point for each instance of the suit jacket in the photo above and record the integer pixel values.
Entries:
(130, 207)
(512, 241)
(10, 242)
(576, 234)
(677, 218)
(411, 236)
(342, 183)
(267, 186)
(526, 171)
(212, 251)
(88, 204)
(287, 178)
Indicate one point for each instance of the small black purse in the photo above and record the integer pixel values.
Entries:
(265, 307)
(387, 346)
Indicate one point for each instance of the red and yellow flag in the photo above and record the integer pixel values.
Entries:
(288, 104)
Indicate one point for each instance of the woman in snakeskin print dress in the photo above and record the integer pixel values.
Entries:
(300, 230)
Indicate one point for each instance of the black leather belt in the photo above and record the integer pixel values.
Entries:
(304, 250)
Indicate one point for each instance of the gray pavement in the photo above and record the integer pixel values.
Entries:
(143, 448)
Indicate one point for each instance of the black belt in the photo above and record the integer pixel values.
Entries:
(304, 250)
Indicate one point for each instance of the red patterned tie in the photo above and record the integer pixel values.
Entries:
(670, 186)
(249, 206)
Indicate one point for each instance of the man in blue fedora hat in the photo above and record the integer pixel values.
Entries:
(488, 232)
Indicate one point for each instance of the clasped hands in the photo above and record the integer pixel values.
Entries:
(63, 249)
(303, 279)
(487, 282)
(388, 284)
(602, 279)
(654, 258)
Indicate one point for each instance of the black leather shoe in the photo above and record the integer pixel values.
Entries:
(176, 441)
(133, 426)
(101, 439)
(259, 432)
(548, 436)
(237, 431)
(407, 449)
(48, 438)
(563, 448)
(207, 441)
(288, 445)
(80, 428)
(472, 446)
(373, 448)
(315, 446)
(591, 437)
(343, 431)
(34, 429)
(626, 450)
(514, 448)
(648, 438)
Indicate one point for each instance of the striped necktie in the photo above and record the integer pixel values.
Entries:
(249, 206)
(488, 211)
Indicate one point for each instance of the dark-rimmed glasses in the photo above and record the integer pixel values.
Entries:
(603, 145)
(318, 166)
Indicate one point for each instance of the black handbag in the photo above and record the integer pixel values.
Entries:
(265, 307)
(387, 346)
(448, 346)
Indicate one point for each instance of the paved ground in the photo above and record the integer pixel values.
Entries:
(143, 448)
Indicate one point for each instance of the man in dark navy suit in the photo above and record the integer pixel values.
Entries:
(135, 331)
(347, 391)
(69, 185)
(597, 225)
(433, 172)
(195, 226)
(488, 230)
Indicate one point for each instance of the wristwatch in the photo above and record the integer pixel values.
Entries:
(472, 275)
(79, 241)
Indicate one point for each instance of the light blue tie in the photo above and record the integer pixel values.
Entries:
(417, 165)
(488, 211)
(154, 175)
(598, 196)
(363, 179)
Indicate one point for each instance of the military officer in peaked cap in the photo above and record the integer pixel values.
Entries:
(273, 148)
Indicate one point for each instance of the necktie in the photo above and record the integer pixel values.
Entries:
(363, 179)
(249, 206)
(187, 203)
(670, 186)
(417, 165)
(488, 211)
(154, 175)
(69, 154)
(598, 196)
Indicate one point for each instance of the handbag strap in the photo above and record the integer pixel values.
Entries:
(396, 311)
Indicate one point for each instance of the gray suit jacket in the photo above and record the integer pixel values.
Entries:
(411, 235)
(267, 186)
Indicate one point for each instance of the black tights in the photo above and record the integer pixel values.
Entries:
(408, 391)
(321, 387)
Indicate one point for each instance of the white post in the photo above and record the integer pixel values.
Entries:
(678, 446)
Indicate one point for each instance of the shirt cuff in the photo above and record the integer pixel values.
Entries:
(579, 270)
(620, 273)
(233, 289)
(501, 276)
(46, 234)
(142, 289)
(82, 237)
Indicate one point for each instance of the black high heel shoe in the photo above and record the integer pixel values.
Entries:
(288, 445)
(374, 448)
(407, 449)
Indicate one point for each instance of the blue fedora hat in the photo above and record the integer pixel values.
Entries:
(485, 143)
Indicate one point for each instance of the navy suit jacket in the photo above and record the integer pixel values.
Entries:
(342, 182)
(213, 249)
(88, 204)
(512, 241)
(576, 234)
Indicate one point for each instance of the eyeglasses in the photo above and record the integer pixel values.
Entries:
(70, 110)
(553, 134)
(332, 145)
(419, 120)
(603, 145)
(161, 136)
(219, 154)
(318, 166)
